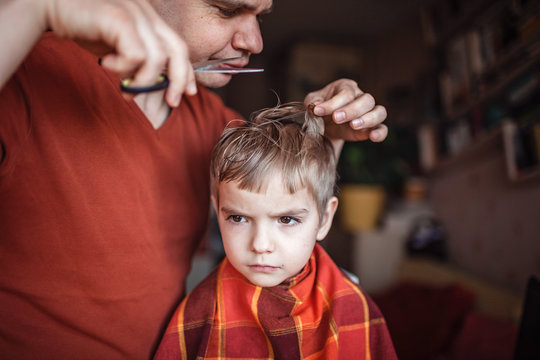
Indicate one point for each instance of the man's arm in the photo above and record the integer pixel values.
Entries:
(133, 40)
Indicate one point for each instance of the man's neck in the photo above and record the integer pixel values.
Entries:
(155, 108)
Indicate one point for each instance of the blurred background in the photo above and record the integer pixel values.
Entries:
(441, 222)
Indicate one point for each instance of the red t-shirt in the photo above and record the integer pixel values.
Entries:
(100, 213)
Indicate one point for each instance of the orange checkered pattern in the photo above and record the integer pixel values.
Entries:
(318, 314)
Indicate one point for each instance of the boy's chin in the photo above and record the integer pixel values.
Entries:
(265, 282)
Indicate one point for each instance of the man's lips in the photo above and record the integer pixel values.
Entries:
(235, 65)
(228, 63)
(231, 66)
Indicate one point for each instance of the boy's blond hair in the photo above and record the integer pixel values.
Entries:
(288, 140)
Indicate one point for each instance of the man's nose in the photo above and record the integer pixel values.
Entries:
(261, 241)
(248, 36)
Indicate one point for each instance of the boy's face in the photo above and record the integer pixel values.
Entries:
(269, 236)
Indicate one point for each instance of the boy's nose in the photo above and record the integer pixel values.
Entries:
(261, 241)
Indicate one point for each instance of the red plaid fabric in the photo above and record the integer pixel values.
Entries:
(319, 314)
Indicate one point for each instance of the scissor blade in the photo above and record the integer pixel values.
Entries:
(210, 67)
(230, 71)
(198, 66)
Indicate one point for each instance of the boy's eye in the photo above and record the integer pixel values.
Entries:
(236, 218)
(287, 220)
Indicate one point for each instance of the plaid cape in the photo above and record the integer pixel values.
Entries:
(318, 314)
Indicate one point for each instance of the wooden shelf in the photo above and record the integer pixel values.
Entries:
(489, 67)
(464, 20)
(479, 146)
(486, 143)
(523, 57)
(529, 175)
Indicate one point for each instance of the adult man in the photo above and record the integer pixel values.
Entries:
(102, 201)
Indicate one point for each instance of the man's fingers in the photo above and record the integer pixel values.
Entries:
(369, 119)
(140, 44)
(180, 71)
(378, 133)
(152, 44)
(354, 114)
(335, 95)
(355, 111)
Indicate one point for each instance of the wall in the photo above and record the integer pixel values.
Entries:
(395, 59)
(493, 224)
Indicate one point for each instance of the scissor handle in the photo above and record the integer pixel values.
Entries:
(161, 83)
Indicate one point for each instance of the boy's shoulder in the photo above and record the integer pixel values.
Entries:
(348, 297)
(200, 301)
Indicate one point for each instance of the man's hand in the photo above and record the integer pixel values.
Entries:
(350, 114)
(129, 35)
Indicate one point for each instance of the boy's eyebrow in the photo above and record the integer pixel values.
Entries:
(288, 212)
(227, 210)
(295, 212)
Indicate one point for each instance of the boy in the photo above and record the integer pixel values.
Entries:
(277, 294)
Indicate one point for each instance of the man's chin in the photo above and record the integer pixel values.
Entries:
(213, 80)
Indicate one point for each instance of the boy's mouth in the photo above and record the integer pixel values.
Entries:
(263, 268)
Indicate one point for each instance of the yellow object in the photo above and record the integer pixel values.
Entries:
(361, 206)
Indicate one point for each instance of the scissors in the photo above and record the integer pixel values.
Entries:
(210, 66)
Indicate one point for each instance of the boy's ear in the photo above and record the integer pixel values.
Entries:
(327, 218)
